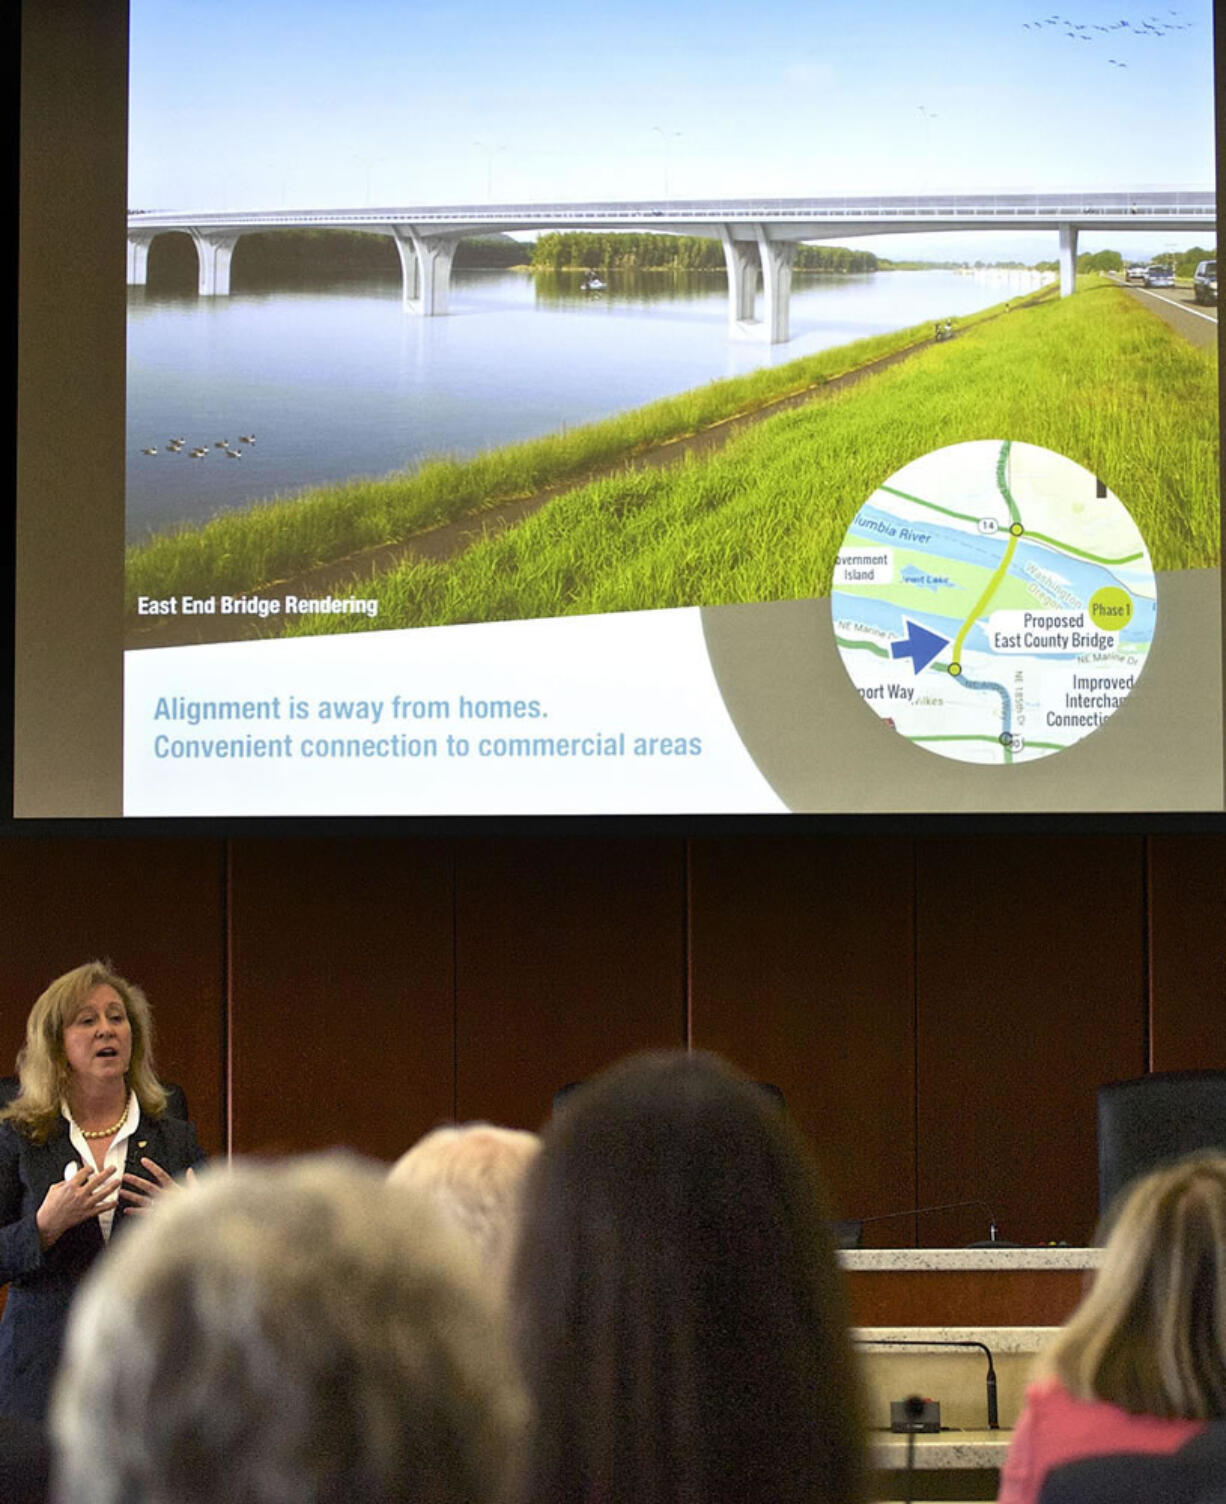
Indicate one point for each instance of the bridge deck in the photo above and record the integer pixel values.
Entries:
(1153, 209)
(758, 234)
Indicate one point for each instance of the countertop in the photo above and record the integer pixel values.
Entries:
(880, 1260)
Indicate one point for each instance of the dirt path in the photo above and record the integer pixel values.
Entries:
(446, 541)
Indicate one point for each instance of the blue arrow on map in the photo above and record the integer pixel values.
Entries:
(920, 645)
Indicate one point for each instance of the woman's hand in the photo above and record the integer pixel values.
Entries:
(72, 1201)
(143, 1193)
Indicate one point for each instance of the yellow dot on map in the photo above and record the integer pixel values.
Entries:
(1017, 529)
(955, 669)
(1111, 608)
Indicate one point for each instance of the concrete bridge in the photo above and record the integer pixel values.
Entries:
(757, 234)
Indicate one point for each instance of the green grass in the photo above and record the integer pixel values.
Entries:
(244, 550)
(1096, 377)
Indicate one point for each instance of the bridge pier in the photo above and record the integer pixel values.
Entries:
(138, 259)
(743, 259)
(1068, 260)
(777, 257)
(425, 266)
(213, 252)
(742, 266)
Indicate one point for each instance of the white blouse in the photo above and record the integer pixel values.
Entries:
(116, 1155)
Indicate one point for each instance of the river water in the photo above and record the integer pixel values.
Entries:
(333, 379)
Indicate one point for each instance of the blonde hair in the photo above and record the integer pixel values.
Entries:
(43, 1066)
(1150, 1336)
(474, 1175)
(291, 1331)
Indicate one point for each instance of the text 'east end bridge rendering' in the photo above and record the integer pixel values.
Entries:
(757, 234)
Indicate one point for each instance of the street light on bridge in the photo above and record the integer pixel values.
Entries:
(667, 137)
(489, 166)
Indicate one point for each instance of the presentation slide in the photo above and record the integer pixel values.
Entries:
(670, 410)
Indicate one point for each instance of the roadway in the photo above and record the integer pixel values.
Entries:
(1177, 307)
(782, 218)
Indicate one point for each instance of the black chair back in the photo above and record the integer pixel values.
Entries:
(1153, 1119)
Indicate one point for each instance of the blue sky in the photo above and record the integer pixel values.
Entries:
(272, 104)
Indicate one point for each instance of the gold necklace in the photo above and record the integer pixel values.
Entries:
(105, 1132)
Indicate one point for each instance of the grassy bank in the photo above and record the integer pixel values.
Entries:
(241, 551)
(1095, 377)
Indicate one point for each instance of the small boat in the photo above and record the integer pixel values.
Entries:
(592, 283)
(148, 451)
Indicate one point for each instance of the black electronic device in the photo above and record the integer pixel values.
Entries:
(992, 1406)
(919, 1416)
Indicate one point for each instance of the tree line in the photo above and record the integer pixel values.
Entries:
(594, 250)
(269, 254)
(1182, 263)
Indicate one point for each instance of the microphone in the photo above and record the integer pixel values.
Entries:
(993, 1412)
(847, 1234)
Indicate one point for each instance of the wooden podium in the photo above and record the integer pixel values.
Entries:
(1011, 1298)
(966, 1286)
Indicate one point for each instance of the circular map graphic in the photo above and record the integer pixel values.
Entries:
(993, 602)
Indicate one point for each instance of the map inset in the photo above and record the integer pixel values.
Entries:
(993, 602)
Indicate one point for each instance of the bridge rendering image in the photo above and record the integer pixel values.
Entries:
(682, 378)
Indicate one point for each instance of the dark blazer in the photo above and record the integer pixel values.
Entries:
(43, 1284)
(1194, 1474)
(25, 1462)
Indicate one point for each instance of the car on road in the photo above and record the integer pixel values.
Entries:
(1135, 274)
(1159, 276)
(1204, 282)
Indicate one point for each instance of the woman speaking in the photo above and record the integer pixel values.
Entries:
(85, 1137)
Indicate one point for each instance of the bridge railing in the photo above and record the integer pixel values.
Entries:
(1190, 204)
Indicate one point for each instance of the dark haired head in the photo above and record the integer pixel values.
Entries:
(680, 1315)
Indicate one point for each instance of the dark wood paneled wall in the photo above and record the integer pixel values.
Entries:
(938, 1011)
(341, 988)
(802, 971)
(569, 954)
(1029, 993)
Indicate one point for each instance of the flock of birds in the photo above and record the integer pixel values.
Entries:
(175, 446)
(1079, 31)
(1082, 31)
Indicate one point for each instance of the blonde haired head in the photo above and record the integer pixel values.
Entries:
(1151, 1334)
(474, 1174)
(43, 1066)
(297, 1331)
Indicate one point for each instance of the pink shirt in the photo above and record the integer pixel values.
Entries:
(1055, 1428)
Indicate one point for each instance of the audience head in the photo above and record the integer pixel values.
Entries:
(474, 1175)
(42, 1063)
(1150, 1336)
(678, 1311)
(302, 1332)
